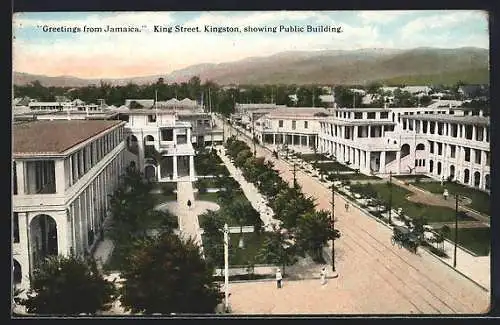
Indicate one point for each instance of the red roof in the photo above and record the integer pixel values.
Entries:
(55, 137)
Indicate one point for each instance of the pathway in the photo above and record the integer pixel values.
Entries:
(375, 276)
(250, 191)
(188, 219)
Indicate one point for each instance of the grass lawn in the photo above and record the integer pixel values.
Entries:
(411, 177)
(167, 192)
(480, 199)
(430, 212)
(252, 241)
(212, 197)
(477, 240)
(314, 157)
(333, 166)
(353, 177)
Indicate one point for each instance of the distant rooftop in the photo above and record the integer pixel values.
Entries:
(55, 137)
(468, 119)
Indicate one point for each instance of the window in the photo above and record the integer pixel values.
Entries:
(167, 135)
(280, 123)
(384, 115)
(453, 151)
(15, 227)
(440, 149)
(358, 116)
(14, 173)
(477, 156)
(467, 154)
(431, 146)
(305, 125)
(371, 115)
(151, 118)
(423, 162)
(294, 125)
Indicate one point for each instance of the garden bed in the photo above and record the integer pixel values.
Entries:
(477, 240)
(480, 200)
(313, 157)
(414, 210)
(330, 166)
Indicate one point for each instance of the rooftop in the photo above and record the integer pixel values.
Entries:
(55, 137)
(307, 112)
(468, 119)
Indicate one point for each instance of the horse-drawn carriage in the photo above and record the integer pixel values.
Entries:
(405, 237)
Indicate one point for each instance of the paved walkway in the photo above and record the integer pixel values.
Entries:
(250, 191)
(375, 276)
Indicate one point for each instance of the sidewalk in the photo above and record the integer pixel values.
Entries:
(188, 219)
(250, 191)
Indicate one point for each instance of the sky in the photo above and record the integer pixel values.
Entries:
(76, 51)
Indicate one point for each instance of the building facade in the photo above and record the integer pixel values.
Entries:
(62, 173)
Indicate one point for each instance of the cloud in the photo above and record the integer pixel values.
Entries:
(382, 17)
(444, 20)
(147, 53)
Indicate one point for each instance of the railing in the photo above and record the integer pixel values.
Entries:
(49, 188)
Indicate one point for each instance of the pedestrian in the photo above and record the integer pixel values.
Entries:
(279, 278)
(445, 194)
(323, 275)
(189, 204)
(347, 206)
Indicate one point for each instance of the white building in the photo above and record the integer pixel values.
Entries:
(411, 140)
(63, 172)
(455, 147)
(295, 126)
(159, 144)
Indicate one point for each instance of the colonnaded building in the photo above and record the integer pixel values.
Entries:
(62, 173)
(66, 162)
(441, 142)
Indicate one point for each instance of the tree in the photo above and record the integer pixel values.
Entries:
(165, 275)
(278, 248)
(68, 286)
(313, 232)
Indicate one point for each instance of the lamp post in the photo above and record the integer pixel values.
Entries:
(456, 232)
(226, 267)
(390, 196)
(334, 274)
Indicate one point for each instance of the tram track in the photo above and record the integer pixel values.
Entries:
(411, 273)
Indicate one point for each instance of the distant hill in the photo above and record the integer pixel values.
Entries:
(428, 65)
(470, 76)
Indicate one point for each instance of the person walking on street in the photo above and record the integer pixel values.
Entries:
(323, 276)
(189, 204)
(347, 206)
(279, 278)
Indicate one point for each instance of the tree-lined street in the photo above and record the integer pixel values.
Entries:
(370, 267)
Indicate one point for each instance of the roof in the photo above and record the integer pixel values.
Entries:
(296, 112)
(327, 98)
(468, 119)
(416, 89)
(55, 137)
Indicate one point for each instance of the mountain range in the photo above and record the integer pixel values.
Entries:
(425, 65)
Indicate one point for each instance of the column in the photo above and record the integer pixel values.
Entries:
(355, 132)
(60, 176)
(141, 155)
(158, 172)
(20, 178)
(398, 160)
(274, 139)
(191, 168)
(307, 141)
(382, 162)
(293, 139)
(473, 133)
(368, 135)
(174, 159)
(367, 161)
(22, 254)
(188, 132)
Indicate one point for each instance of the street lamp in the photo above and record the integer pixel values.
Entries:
(226, 267)
(335, 274)
(390, 196)
(456, 231)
